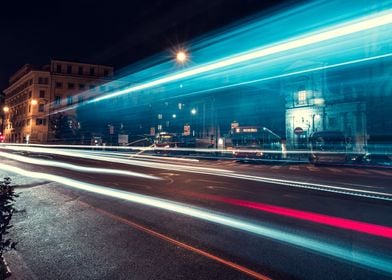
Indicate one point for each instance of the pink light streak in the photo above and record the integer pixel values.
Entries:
(363, 227)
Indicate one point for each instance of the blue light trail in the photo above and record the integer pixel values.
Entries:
(362, 24)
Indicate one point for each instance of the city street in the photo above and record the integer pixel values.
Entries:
(196, 139)
(219, 219)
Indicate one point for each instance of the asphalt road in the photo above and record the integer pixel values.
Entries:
(217, 220)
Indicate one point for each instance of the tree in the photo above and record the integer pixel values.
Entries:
(65, 128)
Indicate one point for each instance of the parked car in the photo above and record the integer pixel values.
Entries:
(375, 159)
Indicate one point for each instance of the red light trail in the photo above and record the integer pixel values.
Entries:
(363, 227)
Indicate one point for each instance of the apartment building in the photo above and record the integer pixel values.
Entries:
(34, 94)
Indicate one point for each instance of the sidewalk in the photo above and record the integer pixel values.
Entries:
(61, 237)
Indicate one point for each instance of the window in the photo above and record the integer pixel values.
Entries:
(28, 122)
(57, 100)
(69, 100)
(58, 68)
(80, 99)
(41, 80)
(71, 85)
(80, 70)
(160, 116)
(92, 71)
(41, 94)
(92, 86)
(38, 121)
(81, 86)
(302, 97)
(41, 108)
(106, 72)
(30, 94)
(59, 85)
(69, 69)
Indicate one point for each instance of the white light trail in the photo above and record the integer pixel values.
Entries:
(361, 258)
(77, 168)
(352, 191)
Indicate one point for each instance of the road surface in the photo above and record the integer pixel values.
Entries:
(171, 218)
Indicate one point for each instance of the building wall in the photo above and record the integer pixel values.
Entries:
(312, 104)
(35, 95)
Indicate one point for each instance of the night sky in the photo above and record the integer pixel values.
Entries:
(116, 33)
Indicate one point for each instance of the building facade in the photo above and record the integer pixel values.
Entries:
(34, 95)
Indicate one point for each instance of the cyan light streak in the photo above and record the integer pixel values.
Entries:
(356, 26)
(294, 73)
(77, 168)
(356, 256)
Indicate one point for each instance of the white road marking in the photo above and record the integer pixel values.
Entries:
(276, 167)
(385, 173)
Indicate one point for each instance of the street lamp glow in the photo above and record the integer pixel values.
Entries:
(6, 109)
(174, 116)
(193, 111)
(181, 56)
(34, 102)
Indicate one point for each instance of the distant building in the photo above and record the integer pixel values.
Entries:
(34, 94)
(338, 100)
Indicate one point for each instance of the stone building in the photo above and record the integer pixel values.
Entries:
(35, 94)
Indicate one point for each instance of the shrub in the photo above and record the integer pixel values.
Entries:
(7, 199)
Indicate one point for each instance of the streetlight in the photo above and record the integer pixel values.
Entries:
(34, 102)
(193, 111)
(6, 109)
(181, 57)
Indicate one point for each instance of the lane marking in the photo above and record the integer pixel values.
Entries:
(312, 168)
(357, 171)
(175, 242)
(335, 170)
(385, 173)
(276, 167)
(295, 168)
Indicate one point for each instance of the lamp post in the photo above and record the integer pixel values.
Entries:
(6, 109)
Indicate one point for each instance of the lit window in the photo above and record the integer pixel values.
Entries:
(302, 97)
